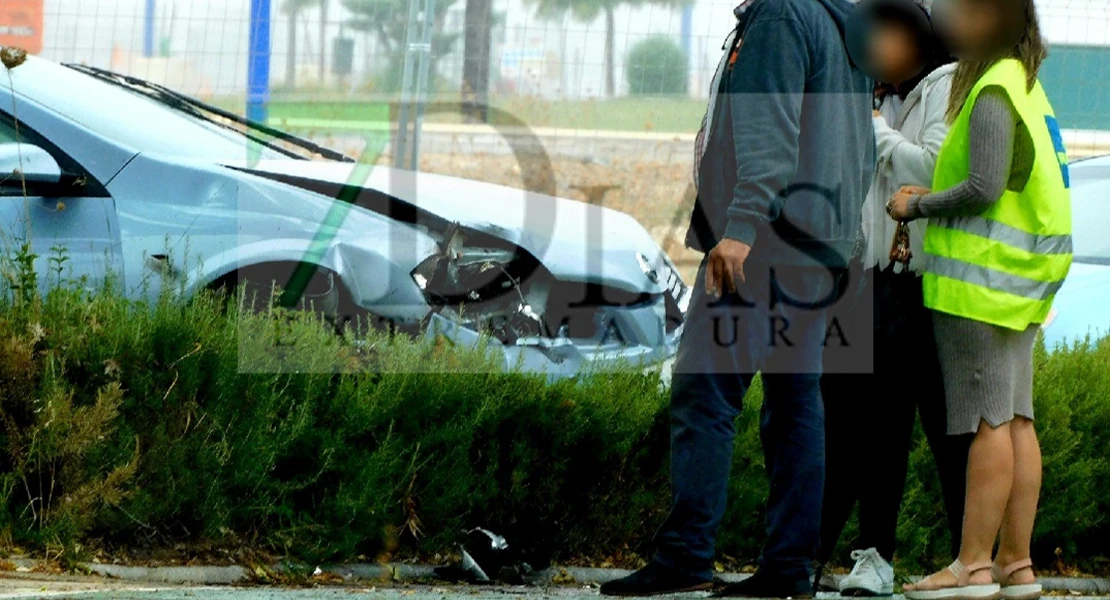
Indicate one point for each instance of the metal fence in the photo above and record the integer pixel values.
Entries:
(619, 132)
(349, 47)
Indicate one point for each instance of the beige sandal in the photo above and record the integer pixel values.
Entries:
(963, 589)
(1023, 591)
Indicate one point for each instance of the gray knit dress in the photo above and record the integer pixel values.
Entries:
(988, 370)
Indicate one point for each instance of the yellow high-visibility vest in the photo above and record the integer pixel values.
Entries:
(1003, 266)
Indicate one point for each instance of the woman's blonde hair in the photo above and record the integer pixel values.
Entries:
(1030, 50)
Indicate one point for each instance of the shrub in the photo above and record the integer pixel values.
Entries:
(134, 425)
(656, 66)
(1071, 389)
(123, 424)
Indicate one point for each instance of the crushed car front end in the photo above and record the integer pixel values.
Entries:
(507, 300)
(563, 289)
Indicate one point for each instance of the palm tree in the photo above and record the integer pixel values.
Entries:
(475, 76)
(588, 11)
(293, 10)
(323, 39)
(388, 20)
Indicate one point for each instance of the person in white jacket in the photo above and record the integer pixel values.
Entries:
(870, 417)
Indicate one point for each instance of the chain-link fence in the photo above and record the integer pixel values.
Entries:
(541, 52)
(614, 89)
(343, 48)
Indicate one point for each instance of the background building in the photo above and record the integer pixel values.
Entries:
(201, 46)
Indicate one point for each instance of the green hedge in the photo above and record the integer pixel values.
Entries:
(129, 425)
(656, 66)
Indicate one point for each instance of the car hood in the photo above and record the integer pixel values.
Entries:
(573, 240)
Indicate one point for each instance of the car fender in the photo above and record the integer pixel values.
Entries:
(209, 221)
(375, 282)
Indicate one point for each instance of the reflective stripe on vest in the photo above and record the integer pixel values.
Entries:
(999, 281)
(1011, 236)
(1005, 265)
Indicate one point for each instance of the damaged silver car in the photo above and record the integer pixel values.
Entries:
(162, 191)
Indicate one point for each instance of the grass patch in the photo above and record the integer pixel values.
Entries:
(658, 114)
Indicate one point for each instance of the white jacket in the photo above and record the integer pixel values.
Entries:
(908, 137)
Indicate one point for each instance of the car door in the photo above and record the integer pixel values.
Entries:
(67, 223)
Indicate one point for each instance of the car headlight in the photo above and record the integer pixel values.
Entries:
(424, 272)
(467, 275)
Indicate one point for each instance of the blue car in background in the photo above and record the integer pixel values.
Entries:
(1082, 306)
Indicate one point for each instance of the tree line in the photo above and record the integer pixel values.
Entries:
(386, 21)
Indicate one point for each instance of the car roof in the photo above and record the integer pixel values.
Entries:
(1085, 171)
(1092, 161)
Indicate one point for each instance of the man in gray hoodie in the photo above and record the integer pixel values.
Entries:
(786, 167)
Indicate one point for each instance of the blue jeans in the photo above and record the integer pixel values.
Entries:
(725, 343)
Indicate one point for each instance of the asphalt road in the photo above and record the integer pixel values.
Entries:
(323, 594)
(109, 592)
(305, 594)
(336, 593)
(17, 585)
(353, 593)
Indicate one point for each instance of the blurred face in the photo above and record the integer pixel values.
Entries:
(893, 52)
(978, 29)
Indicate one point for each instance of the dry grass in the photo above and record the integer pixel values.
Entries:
(656, 193)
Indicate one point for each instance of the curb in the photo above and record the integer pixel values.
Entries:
(401, 573)
(176, 575)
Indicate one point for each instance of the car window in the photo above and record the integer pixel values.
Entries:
(1091, 221)
(10, 133)
(7, 133)
(128, 118)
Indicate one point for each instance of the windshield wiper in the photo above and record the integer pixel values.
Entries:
(203, 110)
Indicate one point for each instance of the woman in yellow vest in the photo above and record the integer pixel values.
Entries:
(998, 247)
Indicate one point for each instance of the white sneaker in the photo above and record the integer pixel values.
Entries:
(872, 575)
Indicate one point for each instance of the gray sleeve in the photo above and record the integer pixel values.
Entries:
(993, 130)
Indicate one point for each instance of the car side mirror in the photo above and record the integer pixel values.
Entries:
(21, 163)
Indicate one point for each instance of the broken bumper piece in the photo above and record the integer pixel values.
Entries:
(561, 357)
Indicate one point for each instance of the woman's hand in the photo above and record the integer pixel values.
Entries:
(898, 207)
(915, 190)
(876, 113)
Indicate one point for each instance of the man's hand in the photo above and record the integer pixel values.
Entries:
(726, 267)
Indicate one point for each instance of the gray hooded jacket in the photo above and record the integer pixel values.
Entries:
(791, 148)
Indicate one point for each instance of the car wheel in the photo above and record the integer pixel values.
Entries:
(262, 288)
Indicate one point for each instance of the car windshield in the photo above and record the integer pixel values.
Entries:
(1091, 222)
(130, 118)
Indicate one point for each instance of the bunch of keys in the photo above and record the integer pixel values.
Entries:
(900, 246)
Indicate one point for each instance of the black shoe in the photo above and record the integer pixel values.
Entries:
(824, 582)
(768, 586)
(655, 580)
